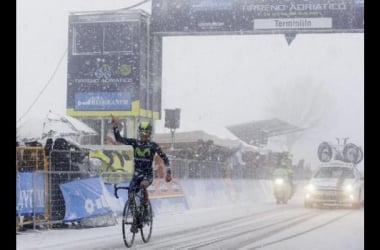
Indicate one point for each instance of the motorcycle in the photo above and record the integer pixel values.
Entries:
(282, 190)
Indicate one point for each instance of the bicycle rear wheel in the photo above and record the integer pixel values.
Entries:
(129, 221)
(147, 224)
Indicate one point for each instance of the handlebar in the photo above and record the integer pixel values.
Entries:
(115, 188)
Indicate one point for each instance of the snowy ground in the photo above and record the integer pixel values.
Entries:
(241, 226)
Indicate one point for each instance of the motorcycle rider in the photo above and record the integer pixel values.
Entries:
(281, 172)
(284, 171)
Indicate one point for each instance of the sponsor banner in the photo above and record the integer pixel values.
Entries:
(107, 62)
(85, 198)
(116, 72)
(102, 77)
(102, 101)
(30, 193)
(162, 189)
(115, 165)
(293, 23)
(238, 15)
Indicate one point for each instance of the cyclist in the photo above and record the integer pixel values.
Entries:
(144, 152)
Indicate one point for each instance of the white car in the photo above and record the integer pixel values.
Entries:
(335, 183)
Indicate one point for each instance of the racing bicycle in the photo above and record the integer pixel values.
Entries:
(135, 216)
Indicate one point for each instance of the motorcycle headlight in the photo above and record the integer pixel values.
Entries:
(310, 187)
(278, 181)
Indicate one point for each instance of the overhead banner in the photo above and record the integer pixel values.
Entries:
(186, 16)
(85, 198)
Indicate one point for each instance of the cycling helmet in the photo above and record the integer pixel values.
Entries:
(145, 126)
(145, 130)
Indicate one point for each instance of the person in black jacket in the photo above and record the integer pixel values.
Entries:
(144, 151)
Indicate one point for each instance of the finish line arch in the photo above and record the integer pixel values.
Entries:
(123, 79)
(246, 17)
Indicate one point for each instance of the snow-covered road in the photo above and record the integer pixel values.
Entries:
(242, 226)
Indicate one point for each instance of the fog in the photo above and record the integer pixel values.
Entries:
(216, 81)
(316, 83)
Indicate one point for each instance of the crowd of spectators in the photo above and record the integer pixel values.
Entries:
(236, 161)
(203, 151)
(204, 158)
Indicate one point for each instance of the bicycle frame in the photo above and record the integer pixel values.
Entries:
(133, 213)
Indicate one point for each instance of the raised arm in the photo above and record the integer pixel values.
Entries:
(116, 131)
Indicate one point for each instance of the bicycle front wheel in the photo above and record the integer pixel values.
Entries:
(147, 223)
(129, 223)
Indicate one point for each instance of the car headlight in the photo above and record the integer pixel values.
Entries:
(310, 187)
(278, 181)
(348, 188)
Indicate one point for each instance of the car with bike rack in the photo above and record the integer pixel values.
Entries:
(335, 183)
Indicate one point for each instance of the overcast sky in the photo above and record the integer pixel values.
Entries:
(216, 81)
